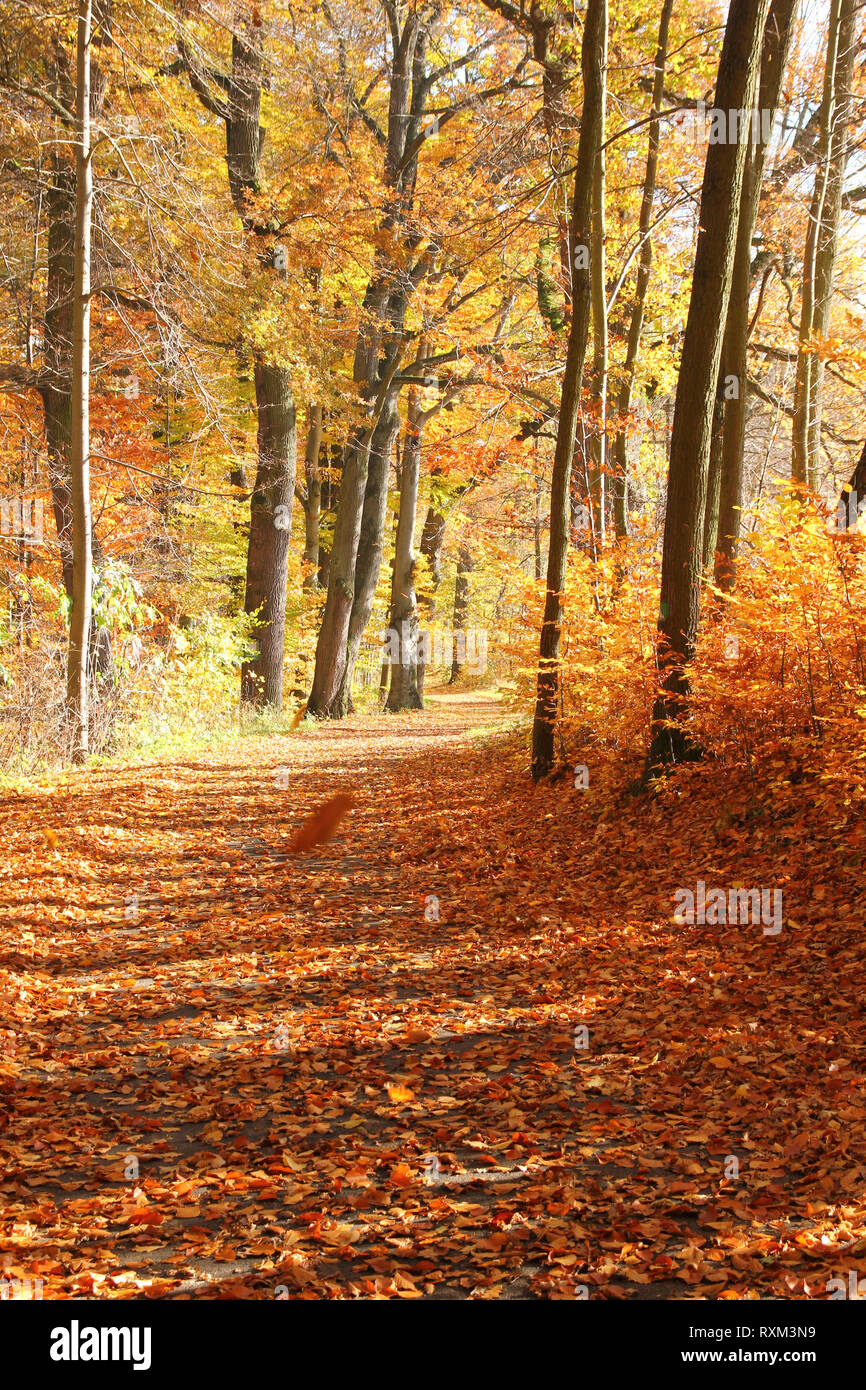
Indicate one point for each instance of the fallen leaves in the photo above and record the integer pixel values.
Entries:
(288, 1073)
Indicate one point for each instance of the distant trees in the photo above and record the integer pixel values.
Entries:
(367, 215)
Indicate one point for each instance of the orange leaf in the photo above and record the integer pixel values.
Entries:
(402, 1175)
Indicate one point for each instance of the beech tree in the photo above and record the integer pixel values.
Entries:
(819, 256)
(682, 553)
(82, 584)
(235, 98)
(593, 49)
(733, 378)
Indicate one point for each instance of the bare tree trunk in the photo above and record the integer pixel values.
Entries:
(334, 629)
(430, 546)
(853, 494)
(432, 538)
(549, 675)
(313, 507)
(828, 232)
(465, 566)
(802, 467)
(643, 277)
(79, 622)
(536, 526)
(403, 618)
(714, 476)
(777, 40)
(56, 396)
(236, 100)
(267, 553)
(371, 540)
(682, 553)
(598, 438)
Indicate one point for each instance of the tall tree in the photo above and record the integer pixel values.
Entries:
(403, 618)
(465, 566)
(598, 438)
(549, 675)
(828, 231)
(777, 40)
(82, 561)
(359, 527)
(635, 328)
(235, 98)
(803, 436)
(682, 552)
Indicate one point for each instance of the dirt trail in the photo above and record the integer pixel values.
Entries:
(361, 1072)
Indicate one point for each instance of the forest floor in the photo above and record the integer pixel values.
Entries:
(284, 1075)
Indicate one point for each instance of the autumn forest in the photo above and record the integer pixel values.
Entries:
(432, 641)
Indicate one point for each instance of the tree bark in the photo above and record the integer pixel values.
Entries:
(682, 553)
(828, 231)
(268, 549)
(236, 100)
(313, 508)
(465, 565)
(774, 54)
(853, 492)
(549, 675)
(403, 617)
(714, 477)
(597, 450)
(620, 502)
(79, 623)
(802, 466)
(368, 561)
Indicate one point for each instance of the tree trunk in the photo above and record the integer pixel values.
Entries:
(430, 546)
(465, 565)
(368, 561)
(56, 396)
(620, 504)
(268, 549)
(853, 493)
(549, 676)
(714, 477)
(363, 498)
(334, 629)
(403, 618)
(79, 623)
(237, 102)
(774, 54)
(536, 525)
(802, 466)
(682, 553)
(598, 439)
(828, 232)
(313, 508)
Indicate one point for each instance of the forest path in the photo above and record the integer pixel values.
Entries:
(222, 1068)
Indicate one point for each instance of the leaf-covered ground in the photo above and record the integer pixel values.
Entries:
(327, 1092)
